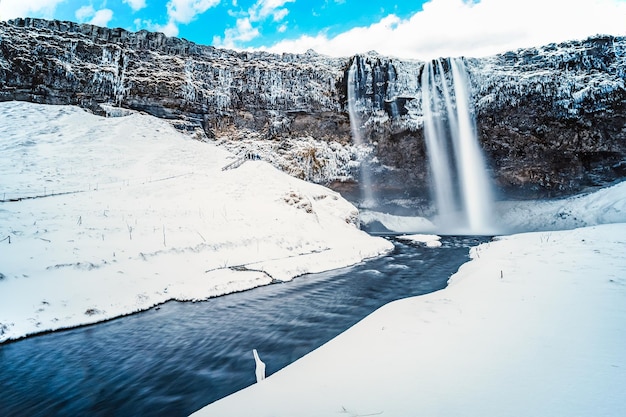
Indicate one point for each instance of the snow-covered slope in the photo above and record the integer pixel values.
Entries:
(101, 217)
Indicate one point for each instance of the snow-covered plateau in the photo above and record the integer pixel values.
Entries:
(102, 217)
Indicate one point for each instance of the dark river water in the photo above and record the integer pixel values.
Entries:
(176, 358)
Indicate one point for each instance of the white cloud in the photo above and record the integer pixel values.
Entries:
(184, 11)
(102, 17)
(136, 4)
(263, 9)
(84, 13)
(245, 31)
(10, 9)
(45, 8)
(280, 14)
(87, 14)
(472, 28)
(169, 29)
(181, 12)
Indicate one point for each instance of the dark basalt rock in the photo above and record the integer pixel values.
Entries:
(551, 120)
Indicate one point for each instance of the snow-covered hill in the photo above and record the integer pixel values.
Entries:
(102, 217)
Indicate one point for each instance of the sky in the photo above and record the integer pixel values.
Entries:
(408, 28)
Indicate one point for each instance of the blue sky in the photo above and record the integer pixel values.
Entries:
(211, 21)
(406, 28)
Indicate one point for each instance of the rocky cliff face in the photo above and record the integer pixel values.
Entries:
(551, 120)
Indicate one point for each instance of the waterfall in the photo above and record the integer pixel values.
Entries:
(365, 181)
(461, 187)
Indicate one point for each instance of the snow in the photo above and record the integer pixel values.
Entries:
(607, 205)
(396, 223)
(534, 324)
(432, 241)
(567, 73)
(102, 217)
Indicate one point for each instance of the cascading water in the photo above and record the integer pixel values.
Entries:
(367, 194)
(461, 188)
(392, 92)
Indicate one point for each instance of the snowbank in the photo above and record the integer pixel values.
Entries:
(534, 325)
(102, 217)
(607, 205)
(432, 241)
(399, 224)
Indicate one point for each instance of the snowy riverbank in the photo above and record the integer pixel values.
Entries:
(102, 217)
(535, 325)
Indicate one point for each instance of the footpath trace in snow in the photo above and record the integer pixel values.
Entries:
(102, 217)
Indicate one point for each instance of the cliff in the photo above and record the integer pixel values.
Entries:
(551, 120)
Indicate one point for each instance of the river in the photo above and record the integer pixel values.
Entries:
(176, 358)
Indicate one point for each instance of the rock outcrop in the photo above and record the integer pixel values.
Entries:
(551, 120)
